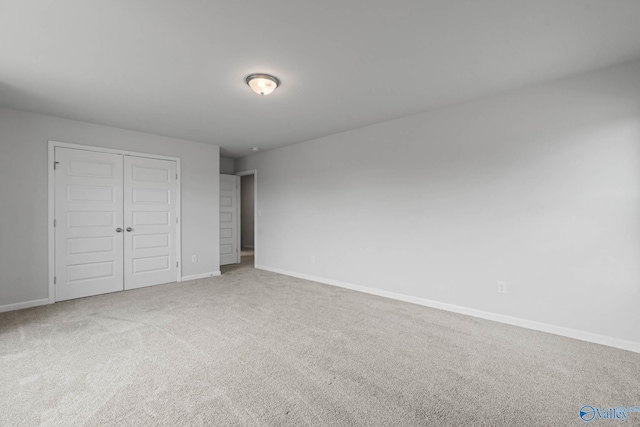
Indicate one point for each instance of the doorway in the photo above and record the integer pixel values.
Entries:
(248, 218)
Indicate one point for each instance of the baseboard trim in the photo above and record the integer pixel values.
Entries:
(21, 305)
(201, 276)
(515, 321)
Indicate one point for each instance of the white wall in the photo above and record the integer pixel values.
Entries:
(539, 188)
(226, 166)
(23, 192)
(247, 217)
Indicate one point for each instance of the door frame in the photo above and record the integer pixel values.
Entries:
(51, 202)
(253, 172)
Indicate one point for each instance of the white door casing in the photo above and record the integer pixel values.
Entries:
(88, 212)
(229, 220)
(88, 253)
(150, 222)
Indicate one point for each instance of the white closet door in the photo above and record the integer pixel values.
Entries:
(229, 224)
(88, 215)
(150, 208)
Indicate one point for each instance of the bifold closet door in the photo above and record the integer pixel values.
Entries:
(88, 223)
(150, 208)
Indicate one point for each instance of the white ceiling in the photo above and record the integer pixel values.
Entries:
(177, 68)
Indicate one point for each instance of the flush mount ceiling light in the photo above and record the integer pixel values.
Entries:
(262, 84)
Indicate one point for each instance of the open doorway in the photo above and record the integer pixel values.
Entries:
(248, 217)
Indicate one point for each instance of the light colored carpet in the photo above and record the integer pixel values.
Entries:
(257, 348)
(246, 252)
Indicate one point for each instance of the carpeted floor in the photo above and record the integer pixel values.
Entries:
(253, 348)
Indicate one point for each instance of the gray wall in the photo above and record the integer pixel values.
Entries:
(539, 188)
(247, 209)
(226, 166)
(23, 191)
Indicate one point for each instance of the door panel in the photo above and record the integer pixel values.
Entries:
(150, 208)
(229, 224)
(88, 210)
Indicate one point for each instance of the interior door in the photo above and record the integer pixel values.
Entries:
(229, 223)
(150, 207)
(88, 223)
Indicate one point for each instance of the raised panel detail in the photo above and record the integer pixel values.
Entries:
(95, 270)
(90, 193)
(150, 174)
(153, 196)
(92, 169)
(90, 219)
(226, 186)
(147, 265)
(226, 201)
(151, 241)
(226, 232)
(226, 249)
(151, 218)
(225, 217)
(90, 245)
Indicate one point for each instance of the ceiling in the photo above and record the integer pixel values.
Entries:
(177, 68)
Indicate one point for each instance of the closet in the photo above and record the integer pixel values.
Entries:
(115, 222)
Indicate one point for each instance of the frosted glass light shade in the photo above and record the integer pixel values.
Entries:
(262, 84)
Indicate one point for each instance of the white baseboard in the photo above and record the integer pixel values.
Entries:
(201, 276)
(21, 305)
(515, 321)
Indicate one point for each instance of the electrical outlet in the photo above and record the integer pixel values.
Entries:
(194, 258)
(313, 259)
(501, 287)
